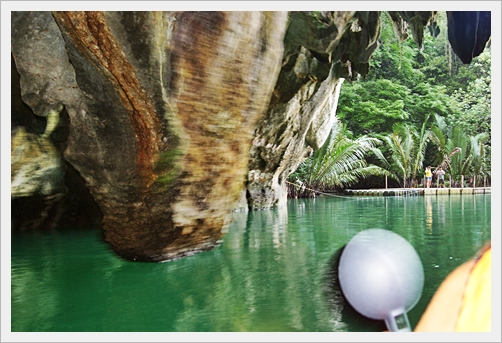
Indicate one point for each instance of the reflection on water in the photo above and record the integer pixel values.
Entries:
(275, 271)
(428, 209)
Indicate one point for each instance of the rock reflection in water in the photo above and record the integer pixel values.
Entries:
(275, 271)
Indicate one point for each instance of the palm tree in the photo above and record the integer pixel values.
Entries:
(477, 154)
(446, 162)
(470, 161)
(440, 134)
(407, 151)
(458, 152)
(401, 146)
(339, 163)
(459, 162)
(421, 141)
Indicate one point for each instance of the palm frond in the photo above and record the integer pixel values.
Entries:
(341, 161)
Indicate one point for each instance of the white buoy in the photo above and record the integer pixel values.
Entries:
(381, 276)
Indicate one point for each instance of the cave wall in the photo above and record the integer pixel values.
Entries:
(162, 106)
(171, 120)
(320, 51)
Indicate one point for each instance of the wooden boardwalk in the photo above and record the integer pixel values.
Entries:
(417, 191)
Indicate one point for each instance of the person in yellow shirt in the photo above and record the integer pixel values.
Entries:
(428, 176)
(463, 300)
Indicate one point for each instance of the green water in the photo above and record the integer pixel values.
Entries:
(273, 271)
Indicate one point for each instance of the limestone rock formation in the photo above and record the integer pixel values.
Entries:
(175, 118)
(302, 110)
(37, 168)
(162, 107)
(36, 165)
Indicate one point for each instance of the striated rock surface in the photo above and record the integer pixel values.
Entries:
(36, 165)
(321, 50)
(162, 107)
(173, 119)
(37, 170)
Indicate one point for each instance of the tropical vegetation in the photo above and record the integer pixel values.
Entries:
(339, 162)
(417, 107)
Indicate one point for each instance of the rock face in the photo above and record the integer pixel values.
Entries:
(320, 52)
(177, 118)
(162, 107)
(36, 165)
(36, 168)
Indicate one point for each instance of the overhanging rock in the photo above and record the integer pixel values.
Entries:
(176, 116)
(162, 107)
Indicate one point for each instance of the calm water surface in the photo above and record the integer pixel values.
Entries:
(273, 272)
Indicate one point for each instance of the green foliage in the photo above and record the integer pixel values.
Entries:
(460, 154)
(471, 161)
(340, 162)
(439, 133)
(472, 106)
(403, 90)
(394, 60)
(477, 154)
(405, 87)
(407, 150)
(425, 100)
(374, 106)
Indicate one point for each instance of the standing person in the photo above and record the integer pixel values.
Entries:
(440, 172)
(428, 176)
